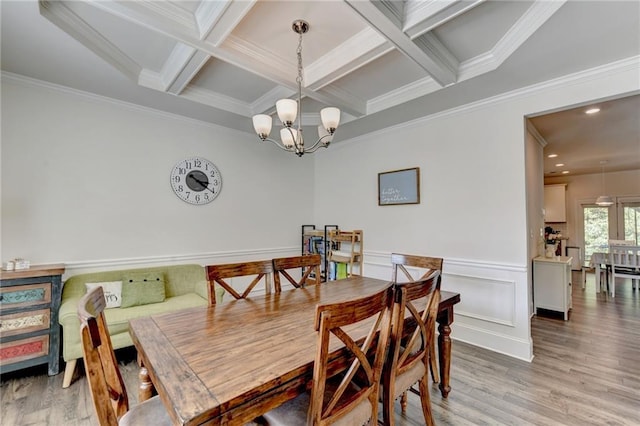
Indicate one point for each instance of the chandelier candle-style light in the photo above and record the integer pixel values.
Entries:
(289, 109)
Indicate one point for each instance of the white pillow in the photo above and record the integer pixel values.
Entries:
(112, 292)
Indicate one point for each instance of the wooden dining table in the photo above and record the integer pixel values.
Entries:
(231, 362)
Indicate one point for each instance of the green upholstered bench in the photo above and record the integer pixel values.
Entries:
(185, 286)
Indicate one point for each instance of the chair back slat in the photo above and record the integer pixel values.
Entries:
(105, 381)
(424, 264)
(310, 265)
(260, 270)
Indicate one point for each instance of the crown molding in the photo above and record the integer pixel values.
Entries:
(531, 128)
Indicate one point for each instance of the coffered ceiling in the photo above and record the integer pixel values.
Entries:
(380, 62)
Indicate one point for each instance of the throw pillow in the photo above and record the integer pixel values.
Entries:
(112, 292)
(142, 288)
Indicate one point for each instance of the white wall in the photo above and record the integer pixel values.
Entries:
(85, 181)
(473, 209)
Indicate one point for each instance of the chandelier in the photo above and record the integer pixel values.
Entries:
(288, 109)
(604, 200)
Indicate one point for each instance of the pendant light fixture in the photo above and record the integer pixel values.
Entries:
(289, 109)
(604, 200)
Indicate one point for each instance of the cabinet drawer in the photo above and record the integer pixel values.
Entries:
(25, 295)
(24, 322)
(23, 349)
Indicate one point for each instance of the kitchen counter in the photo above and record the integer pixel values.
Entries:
(554, 259)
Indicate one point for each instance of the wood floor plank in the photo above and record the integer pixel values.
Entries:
(585, 372)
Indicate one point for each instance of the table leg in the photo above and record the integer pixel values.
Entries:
(445, 318)
(597, 278)
(146, 390)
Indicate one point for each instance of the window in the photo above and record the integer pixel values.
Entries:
(631, 221)
(596, 229)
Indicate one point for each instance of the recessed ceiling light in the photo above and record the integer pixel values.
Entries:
(592, 110)
(565, 172)
(559, 164)
(552, 155)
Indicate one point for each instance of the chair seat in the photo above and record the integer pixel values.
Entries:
(149, 412)
(294, 413)
(408, 378)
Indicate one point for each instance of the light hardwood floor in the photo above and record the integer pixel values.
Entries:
(586, 371)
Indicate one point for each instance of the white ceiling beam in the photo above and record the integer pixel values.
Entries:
(222, 23)
(236, 52)
(525, 26)
(182, 66)
(278, 70)
(424, 54)
(208, 14)
(423, 16)
(64, 17)
(354, 53)
(217, 100)
(488, 61)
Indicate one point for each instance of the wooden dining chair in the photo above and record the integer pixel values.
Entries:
(412, 333)
(310, 265)
(350, 395)
(108, 390)
(423, 267)
(260, 270)
(625, 263)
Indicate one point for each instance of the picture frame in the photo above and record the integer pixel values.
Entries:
(398, 187)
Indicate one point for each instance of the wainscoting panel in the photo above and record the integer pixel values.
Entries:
(493, 301)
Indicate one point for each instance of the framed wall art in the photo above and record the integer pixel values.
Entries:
(399, 187)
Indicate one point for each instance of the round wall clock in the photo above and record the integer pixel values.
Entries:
(196, 180)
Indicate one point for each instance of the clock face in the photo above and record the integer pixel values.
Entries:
(196, 180)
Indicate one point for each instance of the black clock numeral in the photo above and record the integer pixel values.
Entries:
(176, 179)
(188, 165)
(198, 198)
(180, 188)
(197, 163)
(182, 171)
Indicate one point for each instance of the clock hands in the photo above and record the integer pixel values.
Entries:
(204, 184)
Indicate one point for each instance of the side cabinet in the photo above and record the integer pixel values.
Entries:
(29, 328)
(552, 284)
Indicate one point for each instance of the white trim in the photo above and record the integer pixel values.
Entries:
(534, 132)
(495, 342)
(174, 259)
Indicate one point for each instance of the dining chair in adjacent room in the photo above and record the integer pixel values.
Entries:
(412, 332)
(309, 263)
(105, 382)
(423, 266)
(257, 271)
(347, 394)
(625, 263)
